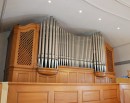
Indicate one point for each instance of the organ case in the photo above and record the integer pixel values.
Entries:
(26, 64)
(22, 52)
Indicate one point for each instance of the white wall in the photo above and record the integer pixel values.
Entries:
(122, 53)
(3, 49)
(1, 4)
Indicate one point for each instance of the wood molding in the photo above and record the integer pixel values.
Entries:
(47, 71)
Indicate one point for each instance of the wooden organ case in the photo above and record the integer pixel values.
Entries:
(109, 75)
(22, 53)
(22, 62)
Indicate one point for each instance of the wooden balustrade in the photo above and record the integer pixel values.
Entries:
(63, 93)
(67, 93)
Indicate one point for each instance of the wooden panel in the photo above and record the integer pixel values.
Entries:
(127, 96)
(66, 97)
(63, 77)
(42, 78)
(62, 93)
(109, 94)
(22, 75)
(32, 97)
(81, 77)
(51, 79)
(94, 102)
(91, 96)
(103, 80)
(125, 92)
(89, 78)
(72, 77)
(69, 75)
(97, 80)
(111, 101)
(75, 75)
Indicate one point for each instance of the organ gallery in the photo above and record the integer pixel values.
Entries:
(48, 64)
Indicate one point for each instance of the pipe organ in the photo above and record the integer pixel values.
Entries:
(57, 47)
(42, 52)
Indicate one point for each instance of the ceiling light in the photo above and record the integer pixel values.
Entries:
(99, 19)
(118, 28)
(49, 1)
(80, 11)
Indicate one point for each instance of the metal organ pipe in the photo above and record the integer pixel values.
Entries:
(57, 47)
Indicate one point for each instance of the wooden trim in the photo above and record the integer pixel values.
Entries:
(47, 71)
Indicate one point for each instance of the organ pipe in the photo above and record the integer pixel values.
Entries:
(58, 47)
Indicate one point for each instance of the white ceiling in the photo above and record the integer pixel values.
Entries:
(114, 13)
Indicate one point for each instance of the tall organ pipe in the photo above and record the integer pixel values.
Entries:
(58, 47)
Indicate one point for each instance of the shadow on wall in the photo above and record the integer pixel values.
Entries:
(8, 23)
(3, 50)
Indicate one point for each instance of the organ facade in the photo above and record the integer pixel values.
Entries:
(48, 53)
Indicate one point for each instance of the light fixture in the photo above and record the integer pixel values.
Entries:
(49, 1)
(80, 11)
(118, 28)
(99, 19)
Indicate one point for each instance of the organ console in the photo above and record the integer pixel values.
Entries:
(48, 53)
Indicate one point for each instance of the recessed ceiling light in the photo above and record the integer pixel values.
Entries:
(118, 28)
(99, 19)
(49, 1)
(80, 11)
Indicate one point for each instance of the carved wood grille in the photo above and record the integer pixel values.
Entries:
(109, 60)
(25, 48)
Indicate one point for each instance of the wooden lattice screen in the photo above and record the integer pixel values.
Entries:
(109, 58)
(25, 48)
